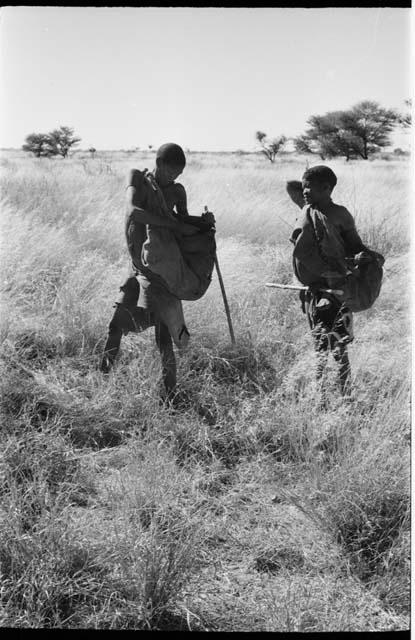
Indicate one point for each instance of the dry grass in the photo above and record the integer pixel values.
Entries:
(245, 509)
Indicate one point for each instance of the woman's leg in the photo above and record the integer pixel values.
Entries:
(122, 321)
(318, 325)
(321, 346)
(344, 373)
(168, 360)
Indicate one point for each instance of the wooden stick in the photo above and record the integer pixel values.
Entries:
(225, 300)
(335, 292)
(286, 286)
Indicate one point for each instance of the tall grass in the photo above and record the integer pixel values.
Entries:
(245, 508)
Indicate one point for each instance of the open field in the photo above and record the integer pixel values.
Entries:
(246, 510)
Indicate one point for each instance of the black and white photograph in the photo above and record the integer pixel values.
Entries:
(206, 318)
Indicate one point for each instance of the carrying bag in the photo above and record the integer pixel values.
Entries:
(183, 264)
(362, 287)
(320, 247)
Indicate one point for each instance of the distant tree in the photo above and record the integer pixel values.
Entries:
(270, 148)
(326, 137)
(304, 144)
(405, 119)
(38, 144)
(62, 140)
(369, 126)
(355, 133)
(92, 151)
(260, 136)
(150, 146)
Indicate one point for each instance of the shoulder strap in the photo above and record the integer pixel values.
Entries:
(329, 261)
(156, 188)
(316, 238)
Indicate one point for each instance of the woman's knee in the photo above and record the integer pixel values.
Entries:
(163, 337)
(115, 327)
(340, 354)
(130, 292)
(122, 321)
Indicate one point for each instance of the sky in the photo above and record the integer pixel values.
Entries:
(206, 78)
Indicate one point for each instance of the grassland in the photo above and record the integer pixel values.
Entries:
(248, 509)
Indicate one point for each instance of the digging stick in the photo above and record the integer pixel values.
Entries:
(225, 300)
(335, 292)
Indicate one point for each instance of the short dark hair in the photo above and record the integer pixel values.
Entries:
(171, 153)
(321, 174)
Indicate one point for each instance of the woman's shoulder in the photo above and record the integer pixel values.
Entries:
(178, 189)
(135, 178)
(341, 216)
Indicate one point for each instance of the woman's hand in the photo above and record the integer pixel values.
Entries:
(209, 218)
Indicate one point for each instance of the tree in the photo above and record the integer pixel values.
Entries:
(357, 132)
(405, 119)
(325, 137)
(57, 142)
(304, 144)
(369, 126)
(92, 151)
(270, 148)
(62, 140)
(38, 144)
